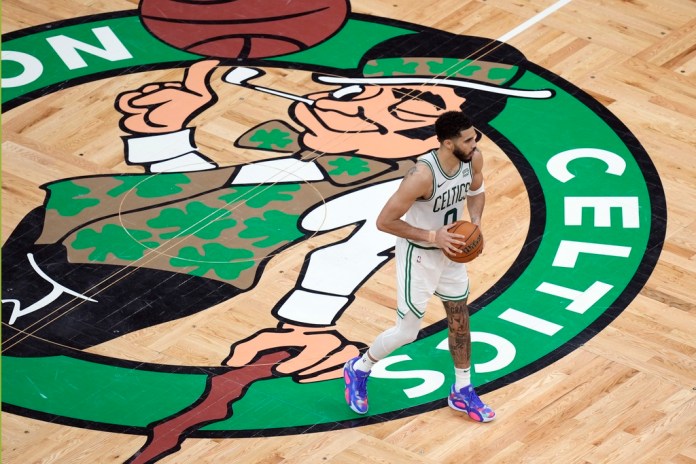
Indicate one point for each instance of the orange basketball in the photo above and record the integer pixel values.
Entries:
(473, 239)
(243, 28)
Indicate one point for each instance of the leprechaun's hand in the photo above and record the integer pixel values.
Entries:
(319, 353)
(162, 107)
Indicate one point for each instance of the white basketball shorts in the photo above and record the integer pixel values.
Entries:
(422, 272)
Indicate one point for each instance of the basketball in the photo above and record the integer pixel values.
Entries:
(243, 28)
(474, 241)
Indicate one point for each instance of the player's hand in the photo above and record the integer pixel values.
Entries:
(448, 242)
(168, 106)
(319, 353)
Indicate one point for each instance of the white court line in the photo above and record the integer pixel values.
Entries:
(533, 20)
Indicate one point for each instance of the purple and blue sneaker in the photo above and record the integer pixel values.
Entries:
(466, 400)
(356, 387)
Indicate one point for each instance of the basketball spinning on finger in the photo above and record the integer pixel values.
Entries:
(243, 28)
(473, 238)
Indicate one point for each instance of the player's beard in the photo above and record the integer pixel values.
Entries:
(463, 157)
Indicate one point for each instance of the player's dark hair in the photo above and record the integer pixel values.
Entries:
(450, 124)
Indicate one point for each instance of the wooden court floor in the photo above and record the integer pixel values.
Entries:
(622, 391)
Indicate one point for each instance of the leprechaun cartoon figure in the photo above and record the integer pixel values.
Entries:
(188, 234)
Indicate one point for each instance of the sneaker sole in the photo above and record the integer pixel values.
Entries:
(474, 415)
(356, 411)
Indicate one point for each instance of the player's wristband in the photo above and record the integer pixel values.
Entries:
(478, 191)
(431, 236)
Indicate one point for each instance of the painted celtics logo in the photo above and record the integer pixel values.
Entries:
(108, 255)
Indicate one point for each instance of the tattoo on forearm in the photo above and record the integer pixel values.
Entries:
(459, 332)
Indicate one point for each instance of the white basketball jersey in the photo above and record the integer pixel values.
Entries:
(446, 204)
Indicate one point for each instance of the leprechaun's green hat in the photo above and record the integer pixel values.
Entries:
(475, 74)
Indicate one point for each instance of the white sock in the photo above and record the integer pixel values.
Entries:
(462, 378)
(364, 364)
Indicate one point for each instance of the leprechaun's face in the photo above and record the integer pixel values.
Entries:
(387, 121)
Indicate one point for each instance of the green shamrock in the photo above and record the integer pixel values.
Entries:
(125, 244)
(159, 185)
(64, 198)
(351, 166)
(258, 196)
(275, 227)
(227, 263)
(199, 220)
(269, 140)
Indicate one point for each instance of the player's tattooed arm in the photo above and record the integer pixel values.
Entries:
(411, 171)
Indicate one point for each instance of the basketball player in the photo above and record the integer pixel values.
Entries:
(425, 201)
